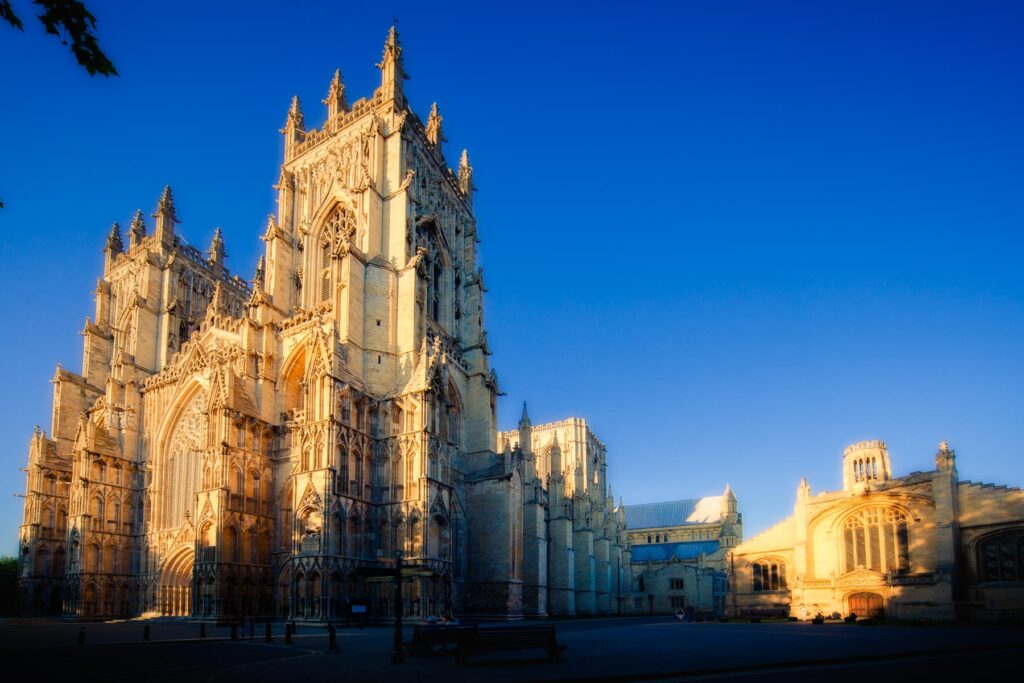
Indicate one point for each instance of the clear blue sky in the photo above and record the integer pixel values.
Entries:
(736, 237)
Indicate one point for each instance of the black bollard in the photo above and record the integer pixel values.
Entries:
(81, 635)
(234, 630)
(145, 632)
(202, 630)
(332, 637)
(287, 633)
(268, 638)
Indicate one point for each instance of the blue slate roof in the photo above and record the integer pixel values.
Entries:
(674, 513)
(662, 552)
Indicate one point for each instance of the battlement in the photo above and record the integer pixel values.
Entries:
(864, 446)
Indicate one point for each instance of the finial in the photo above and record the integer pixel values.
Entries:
(335, 99)
(465, 174)
(435, 135)
(137, 228)
(165, 206)
(114, 243)
(217, 302)
(260, 274)
(217, 252)
(524, 419)
(295, 117)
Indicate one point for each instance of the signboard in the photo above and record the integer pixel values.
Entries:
(358, 609)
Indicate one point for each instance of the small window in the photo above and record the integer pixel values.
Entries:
(676, 584)
(678, 603)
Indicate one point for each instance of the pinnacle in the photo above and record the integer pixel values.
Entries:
(138, 224)
(114, 242)
(464, 159)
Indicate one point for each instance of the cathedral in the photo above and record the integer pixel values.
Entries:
(266, 448)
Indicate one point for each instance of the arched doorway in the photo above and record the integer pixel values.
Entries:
(866, 604)
(176, 583)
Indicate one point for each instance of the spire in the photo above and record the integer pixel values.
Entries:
(434, 133)
(114, 243)
(335, 99)
(217, 252)
(466, 175)
(136, 229)
(258, 278)
(294, 126)
(392, 72)
(218, 303)
(525, 418)
(166, 216)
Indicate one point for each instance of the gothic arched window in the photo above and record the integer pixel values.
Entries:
(876, 538)
(1001, 556)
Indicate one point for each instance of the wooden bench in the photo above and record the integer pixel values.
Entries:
(427, 640)
(509, 638)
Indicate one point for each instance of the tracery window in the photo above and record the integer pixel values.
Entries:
(769, 575)
(182, 475)
(325, 270)
(877, 539)
(1001, 556)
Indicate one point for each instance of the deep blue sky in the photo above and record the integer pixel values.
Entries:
(736, 237)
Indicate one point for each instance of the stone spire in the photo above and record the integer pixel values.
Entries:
(525, 432)
(166, 216)
(218, 303)
(294, 126)
(466, 176)
(392, 73)
(217, 252)
(137, 229)
(435, 135)
(113, 247)
(259, 277)
(335, 99)
(114, 243)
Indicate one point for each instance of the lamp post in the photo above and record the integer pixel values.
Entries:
(396, 653)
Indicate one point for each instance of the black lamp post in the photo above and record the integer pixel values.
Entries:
(396, 653)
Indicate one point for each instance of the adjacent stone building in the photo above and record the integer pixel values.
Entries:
(575, 548)
(923, 546)
(678, 551)
(260, 448)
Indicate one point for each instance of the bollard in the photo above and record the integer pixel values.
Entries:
(234, 630)
(268, 638)
(287, 633)
(202, 630)
(81, 635)
(332, 637)
(145, 632)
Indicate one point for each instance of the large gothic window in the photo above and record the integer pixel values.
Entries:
(184, 456)
(1001, 557)
(769, 575)
(877, 539)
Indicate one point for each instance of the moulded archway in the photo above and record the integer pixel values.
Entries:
(175, 589)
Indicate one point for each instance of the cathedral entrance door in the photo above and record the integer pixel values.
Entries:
(866, 604)
(176, 583)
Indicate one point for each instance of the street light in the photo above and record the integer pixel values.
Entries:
(396, 653)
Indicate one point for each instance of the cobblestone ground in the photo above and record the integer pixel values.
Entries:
(598, 649)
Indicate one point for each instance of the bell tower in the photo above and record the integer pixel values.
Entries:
(864, 463)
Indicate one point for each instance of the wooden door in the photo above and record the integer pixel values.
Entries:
(866, 604)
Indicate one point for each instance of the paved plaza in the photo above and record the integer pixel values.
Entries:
(654, 648)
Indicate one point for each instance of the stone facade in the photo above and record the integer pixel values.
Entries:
(679, 552)
(237, 448)
(923, 546)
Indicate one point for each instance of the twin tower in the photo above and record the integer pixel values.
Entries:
(262, 448)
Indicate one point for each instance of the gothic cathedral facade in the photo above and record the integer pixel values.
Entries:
(260, 448)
